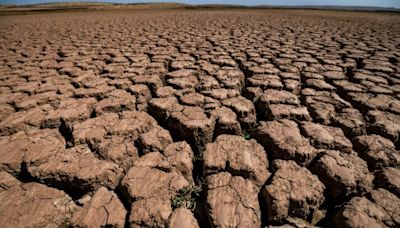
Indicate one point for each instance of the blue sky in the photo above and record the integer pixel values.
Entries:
(381, 3)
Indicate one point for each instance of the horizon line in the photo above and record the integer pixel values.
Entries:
(204, 4)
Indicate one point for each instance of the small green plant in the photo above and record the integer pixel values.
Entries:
(247, 133)
(188, 196)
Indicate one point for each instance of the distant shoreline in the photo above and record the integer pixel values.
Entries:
(7, 9)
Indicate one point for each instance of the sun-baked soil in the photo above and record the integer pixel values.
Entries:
(195, 118)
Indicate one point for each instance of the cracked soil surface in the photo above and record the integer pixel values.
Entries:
(195, 118)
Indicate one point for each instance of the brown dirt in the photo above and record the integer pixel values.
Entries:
(196, 118)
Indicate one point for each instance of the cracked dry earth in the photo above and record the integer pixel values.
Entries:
(224, 118)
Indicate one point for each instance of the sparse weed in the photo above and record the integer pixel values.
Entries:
(248, 132)
(188, 196)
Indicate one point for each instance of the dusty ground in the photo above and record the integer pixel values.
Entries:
(187, 118)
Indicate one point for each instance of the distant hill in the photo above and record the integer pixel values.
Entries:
(94, 3)
(6, 9)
